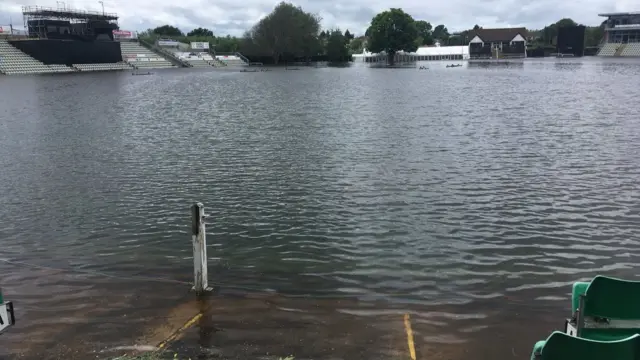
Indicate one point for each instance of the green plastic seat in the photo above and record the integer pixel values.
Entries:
(560, 346)
(606, 309)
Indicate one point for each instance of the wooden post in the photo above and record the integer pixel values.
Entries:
(199, 240)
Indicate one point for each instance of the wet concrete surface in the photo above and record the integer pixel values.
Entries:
(269, 327)
(116, 318)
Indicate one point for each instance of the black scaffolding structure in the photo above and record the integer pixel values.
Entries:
(65, 23)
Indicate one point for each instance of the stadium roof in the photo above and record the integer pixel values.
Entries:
(620, 14)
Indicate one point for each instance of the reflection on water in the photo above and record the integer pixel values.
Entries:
(462, 195)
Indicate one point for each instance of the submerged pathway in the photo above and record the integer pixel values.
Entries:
(267, 326)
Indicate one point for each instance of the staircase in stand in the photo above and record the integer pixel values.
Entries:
(218, 63)
(234, 59)
(141, 57)
(619, 50)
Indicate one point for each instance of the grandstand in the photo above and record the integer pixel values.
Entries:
(63, 40)
(15, 62)
(140, 57)
(195, 54)
(231, 60)
(194, 59)
(622, 35)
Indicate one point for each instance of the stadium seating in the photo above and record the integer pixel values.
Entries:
(142, 58)
(103, 67)
(632, 49)
(201, 60)
(608, 49)
(231, 60)
(14, 62)
(616, 49)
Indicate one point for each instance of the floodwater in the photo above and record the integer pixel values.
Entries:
(470, 198)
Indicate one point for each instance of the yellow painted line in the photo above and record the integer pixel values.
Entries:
(407, 327)
(184, 327)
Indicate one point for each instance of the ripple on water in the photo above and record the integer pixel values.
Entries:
(416, 195)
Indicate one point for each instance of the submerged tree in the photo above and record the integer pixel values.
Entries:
(349, 36)
(441, 33)
(286, 31)
(392, 31)
(424, 33)
(357, 45)
(337, 51)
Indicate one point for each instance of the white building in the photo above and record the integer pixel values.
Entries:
(424, 53)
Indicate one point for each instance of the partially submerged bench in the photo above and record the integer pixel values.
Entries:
(7, 317)
(605, 309)
(561, 346)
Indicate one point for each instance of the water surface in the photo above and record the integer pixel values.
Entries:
(469, 197)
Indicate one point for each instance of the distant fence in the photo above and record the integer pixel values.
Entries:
(284, 59)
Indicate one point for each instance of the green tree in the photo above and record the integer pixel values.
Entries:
(287, 31)
(441, 33)
(391, 31)
(566, 22)
(424, 33)
(145, 33)
(348, 35)
(547, 37)
(423, 27)
(227, 44)
(337, 51)
(167, 30)
(200, 32)
(477, 27)
(357, 45)
(458, 39)
(594, 34)
(549, 34)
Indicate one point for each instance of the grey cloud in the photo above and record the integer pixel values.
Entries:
(234, 17)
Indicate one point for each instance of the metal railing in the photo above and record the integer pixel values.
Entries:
(167, 53)
(65, 12)
(243, 58)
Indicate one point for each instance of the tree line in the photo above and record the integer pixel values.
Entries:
(548, 35)
(289, 33)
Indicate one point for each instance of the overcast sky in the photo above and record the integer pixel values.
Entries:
(235, 16)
